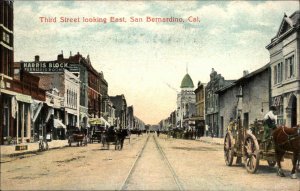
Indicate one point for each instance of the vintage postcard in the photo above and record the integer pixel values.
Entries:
(149, 95)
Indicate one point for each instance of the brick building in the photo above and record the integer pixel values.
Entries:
(216, 82)
(16, 95)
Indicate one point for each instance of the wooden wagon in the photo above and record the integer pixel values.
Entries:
(77, 137)
(247, 144)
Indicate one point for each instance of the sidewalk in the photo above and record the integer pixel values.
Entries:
(215, 140)
(10, 150)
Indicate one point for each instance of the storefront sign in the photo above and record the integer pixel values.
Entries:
(49, 66)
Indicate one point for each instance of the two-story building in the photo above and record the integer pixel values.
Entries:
(212, 102)
(284, 51)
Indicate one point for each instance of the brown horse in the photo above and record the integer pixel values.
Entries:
(287, 139)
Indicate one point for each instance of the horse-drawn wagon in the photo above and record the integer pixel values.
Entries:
(95, 133)
(248, 144)
(114, 137)
(78, 137)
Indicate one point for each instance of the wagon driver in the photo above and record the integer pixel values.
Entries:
(269, 122)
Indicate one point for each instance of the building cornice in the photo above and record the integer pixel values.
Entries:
(279, 39)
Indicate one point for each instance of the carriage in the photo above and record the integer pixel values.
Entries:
(247, 143)
(113, 137)
(78, 137)
(95, 133)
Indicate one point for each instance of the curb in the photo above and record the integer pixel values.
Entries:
(30, 152)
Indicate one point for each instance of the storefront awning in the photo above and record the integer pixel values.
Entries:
(59, 124)
(98, 121)
(24, 98)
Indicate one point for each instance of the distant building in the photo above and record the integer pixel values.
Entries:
(120, 104)
(285, 70)
(185, 103)
(104, 97)
(200, 109)
(130, 117)
(212, 102)
(139, 124)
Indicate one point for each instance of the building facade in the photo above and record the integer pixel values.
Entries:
(16, 94)
(94, 95)
(104, 97)
(247, 98)
(185, 103)
(130, 117)
(284, 52)
(120, 104)
(138, 124)
(212, 102)
(200, 109)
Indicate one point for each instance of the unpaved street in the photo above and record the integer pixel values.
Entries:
(198, 166)
(151, 171)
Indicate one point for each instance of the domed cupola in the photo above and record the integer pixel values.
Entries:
(187, 82)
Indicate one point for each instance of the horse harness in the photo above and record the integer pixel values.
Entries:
(290, 137)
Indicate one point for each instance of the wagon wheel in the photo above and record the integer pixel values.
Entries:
(104, 142)
(118, 145)
(228, 149)
(251, 153)
(271, 163)
(85, 141)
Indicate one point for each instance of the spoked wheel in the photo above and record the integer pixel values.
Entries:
(70, 143)
(228, 149)
(118, 145)
(251, 153)
(85, 141)
(271, 163)
(103, 141)
(46, 146)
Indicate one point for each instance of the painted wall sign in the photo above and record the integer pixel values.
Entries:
(49, 66)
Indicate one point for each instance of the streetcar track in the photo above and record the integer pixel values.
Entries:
(175, 177)
(124, 185)
(166, 161)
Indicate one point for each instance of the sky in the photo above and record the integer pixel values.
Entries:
(146, 61)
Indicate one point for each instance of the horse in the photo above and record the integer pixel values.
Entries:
(121, 134)
(287, 139)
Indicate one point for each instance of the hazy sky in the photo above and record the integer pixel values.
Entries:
(140, 59)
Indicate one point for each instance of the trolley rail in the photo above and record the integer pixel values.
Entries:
(165, 160)
(175, 177)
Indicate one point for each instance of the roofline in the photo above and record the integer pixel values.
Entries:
(258, 71)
